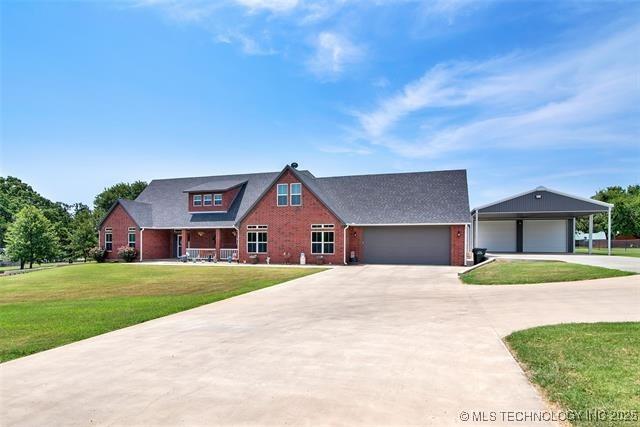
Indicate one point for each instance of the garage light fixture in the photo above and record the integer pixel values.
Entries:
(538, 196)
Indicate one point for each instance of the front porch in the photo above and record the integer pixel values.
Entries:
(216, 244)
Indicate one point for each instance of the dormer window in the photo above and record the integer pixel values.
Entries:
(197, 200)
(296, 194)
(207, 199)
(283, 194)
(217, 200)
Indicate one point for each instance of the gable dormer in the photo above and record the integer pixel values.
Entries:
(215, 196)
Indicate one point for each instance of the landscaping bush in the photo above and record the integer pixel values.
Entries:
(127, 253)
(98, 254)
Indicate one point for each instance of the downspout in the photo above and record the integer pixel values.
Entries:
(344, 245)
(141, 230)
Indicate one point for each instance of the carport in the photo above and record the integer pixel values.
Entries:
(539, 220)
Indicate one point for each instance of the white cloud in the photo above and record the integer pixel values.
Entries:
(572, 96)
(249, 45)
(333, 52)
(275, 6)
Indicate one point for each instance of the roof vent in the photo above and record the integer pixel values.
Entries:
(538, 196)
(294, 165)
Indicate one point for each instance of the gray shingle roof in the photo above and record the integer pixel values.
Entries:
(401, 198)
(169, 201)
(139, 211)
(216, 185)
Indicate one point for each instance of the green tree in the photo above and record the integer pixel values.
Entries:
(15, 195)
(625, 217)
(31, 237)
(83, 234)
(122, 190)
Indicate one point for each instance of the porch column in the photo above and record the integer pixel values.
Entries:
(573, 245)
(590, 233)
(475, 230)
(609, 232)
(185, 239)
(218, 236)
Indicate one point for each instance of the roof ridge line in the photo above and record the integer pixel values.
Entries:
(391, 173)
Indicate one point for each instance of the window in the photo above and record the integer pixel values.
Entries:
(316, 226)
(132, 237)
(108, 239)
(197, 200)
(283, 194)
(257, 227)
(322, 242)
(296, 194)
(217, 199)
(257, 242)
(207, 199)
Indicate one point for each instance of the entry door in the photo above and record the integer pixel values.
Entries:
(178, 245)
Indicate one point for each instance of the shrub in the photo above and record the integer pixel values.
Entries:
(127, 254)
(98, 254)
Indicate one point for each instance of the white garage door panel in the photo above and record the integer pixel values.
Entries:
(544, 236)
(497, 236)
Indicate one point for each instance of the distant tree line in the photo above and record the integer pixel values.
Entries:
(33, 229)
(625, 217)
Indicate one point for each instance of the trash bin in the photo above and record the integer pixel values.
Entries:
(478, 255)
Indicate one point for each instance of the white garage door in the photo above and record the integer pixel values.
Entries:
(497, 236)
(544, 236)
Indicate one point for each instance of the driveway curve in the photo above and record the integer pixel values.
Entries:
(368, 345)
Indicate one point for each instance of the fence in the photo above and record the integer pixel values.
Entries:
(602, 244)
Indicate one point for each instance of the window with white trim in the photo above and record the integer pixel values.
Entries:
(322, 242)
(108, 239)
(207, 200)
(283, 194)
(132, 237)
(197, 200)
(257, 242)
(257, 227)
(316, 226)
(296, 194)
(217, 199)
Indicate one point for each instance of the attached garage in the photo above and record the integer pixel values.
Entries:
(540, 220)
(407, 245)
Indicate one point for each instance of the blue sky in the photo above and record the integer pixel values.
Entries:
(519, 93)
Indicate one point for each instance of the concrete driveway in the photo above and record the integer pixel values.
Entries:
(372, 345)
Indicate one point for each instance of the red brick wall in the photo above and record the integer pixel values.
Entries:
(227, 199)
(156, 244)
(290, 226)
(207, 240)
(227, 239)
(354, 242)
(457, 244)
(119, 221)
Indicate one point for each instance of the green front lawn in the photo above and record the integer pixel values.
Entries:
(632, 252)
(585, 367)
(510, 272)
(52, 307)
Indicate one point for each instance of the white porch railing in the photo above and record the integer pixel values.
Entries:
(225, 254)
(198, 254)
(201, 253)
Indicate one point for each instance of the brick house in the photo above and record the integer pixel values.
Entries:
(402, 218)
